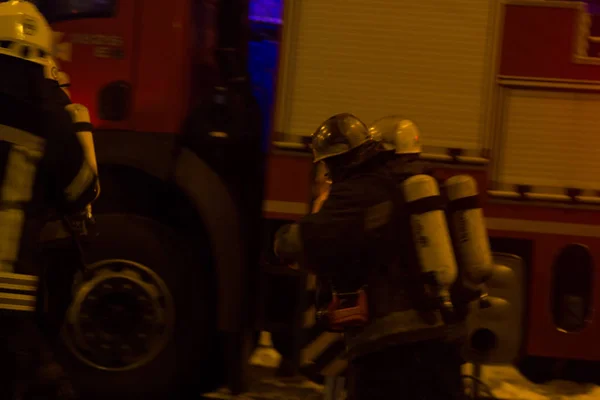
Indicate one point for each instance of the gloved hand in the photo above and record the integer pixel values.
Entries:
(318, 203)
(80, 222)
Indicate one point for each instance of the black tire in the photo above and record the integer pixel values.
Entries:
(185, 269)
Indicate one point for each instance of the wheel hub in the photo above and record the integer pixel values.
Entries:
(121, 317)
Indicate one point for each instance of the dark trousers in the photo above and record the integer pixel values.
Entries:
(26, 340)
(20, 349)
(8, 374)
(422, 371)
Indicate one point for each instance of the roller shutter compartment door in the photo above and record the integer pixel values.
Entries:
(552, 140)
(426, 60)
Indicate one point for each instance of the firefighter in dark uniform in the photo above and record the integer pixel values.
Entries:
(349, 240)
(354, 241)
(43, 169)
(403, 348)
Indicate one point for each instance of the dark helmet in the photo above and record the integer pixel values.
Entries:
(338, 135)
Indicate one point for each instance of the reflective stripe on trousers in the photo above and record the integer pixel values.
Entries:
(21, 153)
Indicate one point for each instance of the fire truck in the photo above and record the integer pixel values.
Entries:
(506, 91)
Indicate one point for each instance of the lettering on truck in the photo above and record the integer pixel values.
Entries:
(107, 46)
(97, 40)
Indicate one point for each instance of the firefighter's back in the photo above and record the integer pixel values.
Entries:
(42, 168)
(22, 149)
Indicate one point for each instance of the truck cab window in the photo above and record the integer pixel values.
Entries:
(60, 10)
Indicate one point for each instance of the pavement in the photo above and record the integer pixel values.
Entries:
(265, 386)
(505, 382)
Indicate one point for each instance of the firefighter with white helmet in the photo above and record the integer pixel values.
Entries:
(25, 31)
(397, 134)
(43, 168)
(421, 195)
(401, 140)
(470, 238)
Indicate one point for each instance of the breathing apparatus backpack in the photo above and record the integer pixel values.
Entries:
(450, 240)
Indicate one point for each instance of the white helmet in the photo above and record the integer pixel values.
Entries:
(24, 32)
(397, 133)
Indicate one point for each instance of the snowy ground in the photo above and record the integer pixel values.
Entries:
(505, 382)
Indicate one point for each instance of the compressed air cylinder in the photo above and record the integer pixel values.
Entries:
(80, 116)
(430, 232)
(469, 232)
(81, 119)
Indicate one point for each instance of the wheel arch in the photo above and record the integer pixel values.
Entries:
(219, 213)
(158, 158)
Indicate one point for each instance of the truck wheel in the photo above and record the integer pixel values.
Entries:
(142, 320)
